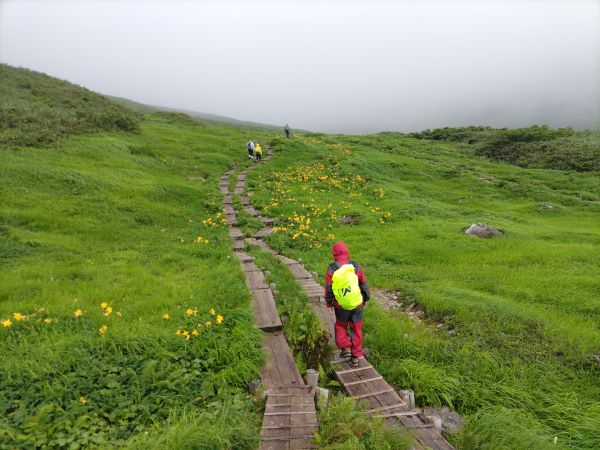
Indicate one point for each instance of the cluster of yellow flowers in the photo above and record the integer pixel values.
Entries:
(19, 317)
(106, 310)
(186, 332)
(219, 220)
(200, 240)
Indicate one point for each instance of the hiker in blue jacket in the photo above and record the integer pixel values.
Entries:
(250, 147)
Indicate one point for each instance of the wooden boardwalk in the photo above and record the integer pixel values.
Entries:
(290, 417)
(363, 382)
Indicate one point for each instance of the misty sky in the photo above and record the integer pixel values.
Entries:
(325, 66)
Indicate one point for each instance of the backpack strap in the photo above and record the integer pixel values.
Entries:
(334, 266)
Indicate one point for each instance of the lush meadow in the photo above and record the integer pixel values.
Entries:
(511, 336)
(125, 318)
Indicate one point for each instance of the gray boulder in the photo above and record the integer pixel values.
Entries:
(482, 230)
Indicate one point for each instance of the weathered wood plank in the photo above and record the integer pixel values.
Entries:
(236, 233)
(265, 311)
(229, 209)
(264, 232)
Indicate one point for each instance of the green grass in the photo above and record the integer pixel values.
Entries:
(525, 307)
(38, 110)
(114, 218)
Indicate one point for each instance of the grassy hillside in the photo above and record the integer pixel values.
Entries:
(535, 147)
(204, 117)
(511, 338)
(124, 319)
(38, 110)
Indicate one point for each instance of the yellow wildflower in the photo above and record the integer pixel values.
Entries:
(186, 334)
(208, 324)
(18, 316)
(200, 325)
(102, 330)
(195, 332)
(78, 313)
(178, 332)
(83, 400)
(166, 316)
(48, 321)
(103, 305)
(6, 323)
(212, 311)
(119, 313)
(219, 319)
(189, 311)
(107, 311)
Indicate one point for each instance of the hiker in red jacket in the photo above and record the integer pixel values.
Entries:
(347, 291)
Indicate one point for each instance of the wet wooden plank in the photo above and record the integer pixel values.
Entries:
(244, 257)
(238, 245)
(283, 367)
(300, 272)
(256, 280)
(236, 233)
(265, 310)
(264, 232)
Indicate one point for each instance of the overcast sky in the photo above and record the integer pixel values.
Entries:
(325, 65)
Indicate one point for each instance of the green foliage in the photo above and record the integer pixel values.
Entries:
(344, 425)
(117, 218)
(522, 309)
(535, 146)
(38, 110)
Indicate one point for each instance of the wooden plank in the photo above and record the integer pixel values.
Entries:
(284, 367)
(244, 257)
(237, 245)
(300, 272)
(231, 219)
(229, 209)
(374, 394)
(236, 233)
(224, 189)
(256, 280)
(265, 311)
(264, 232)
(351, 383)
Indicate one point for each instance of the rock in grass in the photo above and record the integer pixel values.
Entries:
(451, 421)
(482, 230)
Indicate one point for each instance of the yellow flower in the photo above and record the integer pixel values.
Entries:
(166, 316)
(186, 334)
(189, 311)
(48, 321)
(103, 305)
(178, 332)
(6, 323)
(18, 316)
(212, 311)
(200, 325)
(78, 313)
(195, 332)
(208, 324)
(107, 311)
(219, 319)
(83, 400)
(119, 313)
(102, 330)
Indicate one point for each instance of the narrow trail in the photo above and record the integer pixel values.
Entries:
(290, 418)
(363, 383)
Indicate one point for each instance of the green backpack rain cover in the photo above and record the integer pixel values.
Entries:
(345, 287)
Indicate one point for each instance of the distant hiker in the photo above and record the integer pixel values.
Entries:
(258, 152)
(250, 147)
(286, 129)
(347, 291)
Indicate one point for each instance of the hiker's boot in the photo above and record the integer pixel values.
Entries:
(354, 361)
(345, 353)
